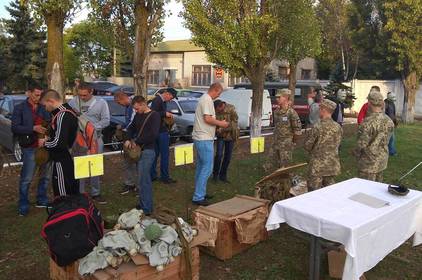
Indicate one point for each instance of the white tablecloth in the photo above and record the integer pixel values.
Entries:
(368, 234)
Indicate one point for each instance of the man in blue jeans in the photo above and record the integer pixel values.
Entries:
(203, 136)
(143, 131)
(390, 110)
(27, 125)
(159, 105)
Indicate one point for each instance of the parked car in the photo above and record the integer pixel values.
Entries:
(189, 93)
(7, 139)
(301, 91)
(129, 90)
(101, 87)
(242, 100)
(183, 110)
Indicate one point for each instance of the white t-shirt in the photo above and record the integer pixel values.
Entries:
(202, 130)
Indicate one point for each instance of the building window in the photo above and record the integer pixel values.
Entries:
(283, 72)
(233, 80)
(153, 77)
(201, 75)
(306, 74)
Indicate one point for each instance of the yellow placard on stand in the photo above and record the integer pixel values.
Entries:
(88, 166)
(257, 145)
(183, 154)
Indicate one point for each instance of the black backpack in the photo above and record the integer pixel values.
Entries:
(72, 229)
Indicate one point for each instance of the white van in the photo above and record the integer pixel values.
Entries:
(242, 100)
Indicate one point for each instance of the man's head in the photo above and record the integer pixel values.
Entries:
(77, 81)
(283, 96)
(169, 94)
(312, 93)
(375, 99)
(215, 90)
(85, 92)
(51, 99)
(326, 108)
(34, 94)
(139, 104)
(122, 98)
(375, 88)
(341, 95)
(391, 96)
(219, 106)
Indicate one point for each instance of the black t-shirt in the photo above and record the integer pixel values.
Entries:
(150, 132)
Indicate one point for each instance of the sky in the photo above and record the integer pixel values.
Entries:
(173, 26)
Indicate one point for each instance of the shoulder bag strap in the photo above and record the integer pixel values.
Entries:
(143, 125)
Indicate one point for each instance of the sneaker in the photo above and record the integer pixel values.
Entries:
(126, 189)
(168, 181)
(154, 179)
(203, 202)
(41, 205)
(22, 214)
(99, 199)
(208, 197)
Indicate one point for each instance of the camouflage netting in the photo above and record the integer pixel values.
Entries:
(275, 189)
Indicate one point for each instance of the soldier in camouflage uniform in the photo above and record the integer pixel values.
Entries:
(226, 139)
(287, 127)
(323, 143)
(373, 136)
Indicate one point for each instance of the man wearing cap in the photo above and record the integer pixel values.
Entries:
(373, 136)
(390, 111)
(323, 143)
(287, 127)
(159, 105)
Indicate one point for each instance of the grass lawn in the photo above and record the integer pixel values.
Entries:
(23, 254)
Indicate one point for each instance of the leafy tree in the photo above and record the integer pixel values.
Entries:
(403, 26)
(238, 35)
(54, 13)
(4, 57)
(299, 33)
(26, 48)
(72, 64)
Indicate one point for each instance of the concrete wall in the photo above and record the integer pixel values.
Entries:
(307, 63)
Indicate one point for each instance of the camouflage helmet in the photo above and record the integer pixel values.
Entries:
(375, 98)
(328, 104)
(283, 92)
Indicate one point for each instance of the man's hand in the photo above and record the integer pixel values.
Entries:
(129, 144)
(223, 124)
(169, 115)
(119, 127)
(39, 129)
(41, 142)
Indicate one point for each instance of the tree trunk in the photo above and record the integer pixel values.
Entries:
(410, 86)
(55, 68)
(257, 83)
(142, 49)
(292, 79)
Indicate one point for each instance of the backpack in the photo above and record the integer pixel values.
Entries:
(73, 228)
(86, 136)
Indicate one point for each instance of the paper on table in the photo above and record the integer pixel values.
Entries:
(369, 200)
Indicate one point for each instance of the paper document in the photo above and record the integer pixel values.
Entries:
(89, 166)
(368, 200)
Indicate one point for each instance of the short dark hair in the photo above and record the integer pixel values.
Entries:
(138, 99)
(218, 103)
(34, 86)
(85, 86)
(375, 88)
(51, 93)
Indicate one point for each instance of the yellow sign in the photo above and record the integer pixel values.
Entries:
(88, 166)
(257, 145)
(183, 154)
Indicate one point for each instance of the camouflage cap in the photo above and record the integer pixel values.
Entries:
(283, 92)
(375, 98)
(328, 104)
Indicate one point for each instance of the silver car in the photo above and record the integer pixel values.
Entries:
(183, 110)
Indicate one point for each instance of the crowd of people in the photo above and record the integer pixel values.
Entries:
(45, 121)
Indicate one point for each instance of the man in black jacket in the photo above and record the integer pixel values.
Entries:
(390, 110)
(28, 123)
(60, 139)
(143, 131)
(159, 105)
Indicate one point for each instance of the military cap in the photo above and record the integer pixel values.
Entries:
(170, 90)
(375, 98)
(283, 92)
(328, 104)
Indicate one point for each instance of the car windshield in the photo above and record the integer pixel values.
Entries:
(188, 106)
(116, 109)
(188, 93)
(151, 91)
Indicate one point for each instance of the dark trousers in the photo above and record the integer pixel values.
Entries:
(161, 150)
(223, 155)
(64, 182)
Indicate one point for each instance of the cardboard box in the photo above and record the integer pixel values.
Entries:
(336, 261)
(235, 225)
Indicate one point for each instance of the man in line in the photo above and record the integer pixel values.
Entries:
(27, 120)
(373, 136)
(390, 111)
(323, 143)
(96, 111)
(143, 131)
(363, 113)
(130, 168)
(313, 102)
(203, 136)
(162, 150)
(61, 138)
(287, 127)
(338, 114)
(226, 138)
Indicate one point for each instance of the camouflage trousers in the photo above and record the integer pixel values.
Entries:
(278, 158)
(317, 182)
(377, 177)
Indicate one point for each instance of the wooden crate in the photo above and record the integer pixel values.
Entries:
(225, 213)
(129, 271)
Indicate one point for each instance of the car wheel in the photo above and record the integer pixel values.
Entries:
(188, 135)
(17, 151)
(115, 146)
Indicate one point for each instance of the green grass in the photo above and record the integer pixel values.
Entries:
(23, 254)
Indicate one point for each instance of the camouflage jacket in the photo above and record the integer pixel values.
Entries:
(372, 146)
(231, 133)
(286, 124)
(323, 143)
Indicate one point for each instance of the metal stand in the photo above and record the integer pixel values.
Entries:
(315, 258)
